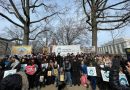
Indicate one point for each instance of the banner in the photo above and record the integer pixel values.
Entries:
(9, 72)
(123, 80)
(91, 71)
(105, 75)
(63, 50)
(21, 50)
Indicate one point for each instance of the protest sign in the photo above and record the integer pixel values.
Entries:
(61, 77)
(123, 80)
(23, 66)
(21, 50)
(45, 65)
(91, 71)
(105, 75)
(9, 72)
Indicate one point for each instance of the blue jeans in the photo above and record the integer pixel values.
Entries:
(68, 79)
(93, 82)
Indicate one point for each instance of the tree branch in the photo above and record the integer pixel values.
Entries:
(114, 28)
(23, 7)
(123, 19)
(44, 18)
(16, 11)
(38, 34)
(84, 8)
(113, 5)
(11, 20)
(36, 28)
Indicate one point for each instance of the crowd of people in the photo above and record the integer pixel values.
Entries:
(42, 70)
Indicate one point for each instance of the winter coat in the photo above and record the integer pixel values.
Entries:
(11, 82)
(25, 83)
(114, 77)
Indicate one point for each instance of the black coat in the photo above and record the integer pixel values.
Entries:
(114, 77)
(11, 82)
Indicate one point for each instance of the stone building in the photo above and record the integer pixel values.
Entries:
(116, 47)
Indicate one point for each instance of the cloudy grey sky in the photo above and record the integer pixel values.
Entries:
(103, 36)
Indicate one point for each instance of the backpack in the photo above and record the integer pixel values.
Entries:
(30, 70)
(84, 80)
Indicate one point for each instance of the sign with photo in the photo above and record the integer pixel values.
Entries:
(23, 66)
(21, 50)
(91, 71)
(9, 72)
(45, 65)
(105, 75)
(123, 80)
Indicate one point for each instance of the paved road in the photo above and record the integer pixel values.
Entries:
(52, 87)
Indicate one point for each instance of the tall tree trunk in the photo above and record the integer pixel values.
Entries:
(26, 35)
(27, 24)
(94, 38)
(94, 25)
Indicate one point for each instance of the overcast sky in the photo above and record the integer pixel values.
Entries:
(103, 36)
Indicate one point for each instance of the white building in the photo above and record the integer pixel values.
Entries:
(120, 45)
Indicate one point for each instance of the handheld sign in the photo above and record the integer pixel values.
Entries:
(123, 80)
(61, 77)
(105, 75)
(23, 66)
(9, 72)
(45, 65)
(49, 73)
(91, 71)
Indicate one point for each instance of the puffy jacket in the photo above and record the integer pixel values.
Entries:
(114, 77)
(11, 82)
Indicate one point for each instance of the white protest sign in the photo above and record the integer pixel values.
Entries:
(63, 50)
(123, 80)
(105, 75)
(91, 71)
(9, 72)
(45, 65)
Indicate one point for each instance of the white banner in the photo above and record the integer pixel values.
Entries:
(91, 71)
(63, 50)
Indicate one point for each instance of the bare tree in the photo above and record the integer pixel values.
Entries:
(14, 32)
(101, 15)
(23, 13)
(115, 35)
(71, 32)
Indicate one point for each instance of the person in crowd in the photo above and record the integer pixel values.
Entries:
(59, 59)
(55, 72)
(83, 70)
(30, 71)
(49, 75)
(67, 68)
(114, 75)
(76, 72)
(61, 79)
(2, 67)
(14, 63)
(93, 80)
